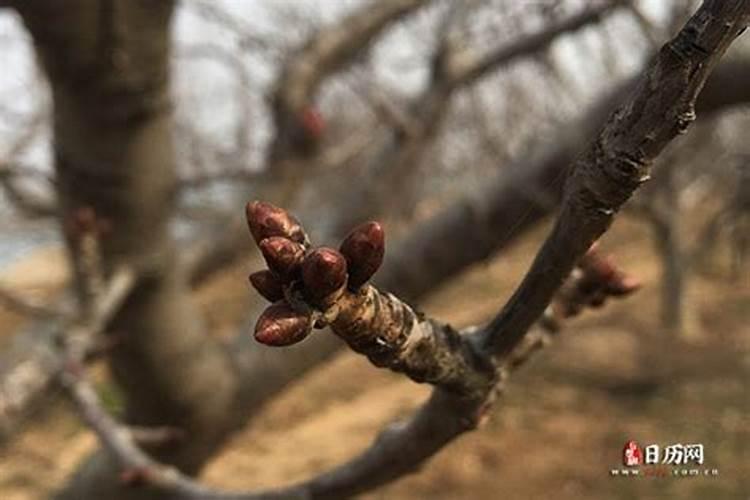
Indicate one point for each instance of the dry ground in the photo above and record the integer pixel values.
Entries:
(612, 376)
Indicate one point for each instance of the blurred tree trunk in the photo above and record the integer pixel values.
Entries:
(666, 227)
(678, 317)
(108, 65)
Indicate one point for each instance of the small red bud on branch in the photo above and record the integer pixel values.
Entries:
(363, 249)
(266, 220)
(597, 279)
(623, 285)
(604, 271)
(323, 272)
(267, 285)
(280, 325)
(134, 476)
(282, 255)
(312, 121)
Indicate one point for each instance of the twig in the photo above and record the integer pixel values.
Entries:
(27, 306)
(327, 51)
(399, 158)
(137, 467)
(27, 203)
(31, 366)
(248, 39)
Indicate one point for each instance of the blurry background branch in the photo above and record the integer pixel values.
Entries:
(31, 365)
(327, 116)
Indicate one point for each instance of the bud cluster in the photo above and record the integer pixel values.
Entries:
(302, 282)
(595, 279)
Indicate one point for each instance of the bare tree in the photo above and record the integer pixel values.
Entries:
(116, 180)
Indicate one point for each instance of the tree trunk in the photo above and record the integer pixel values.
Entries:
(676, 316)
(108, 65)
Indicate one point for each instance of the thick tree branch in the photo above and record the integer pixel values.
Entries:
(618, 161)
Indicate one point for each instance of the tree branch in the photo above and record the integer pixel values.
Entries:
(605, 176)
(515, 201)
(330, 49)
(33, 362)
(618, 161)
(27, 306)
(137, 467)
(399, 157)
(596, 279)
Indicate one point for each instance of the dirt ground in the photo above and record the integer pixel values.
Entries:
(612, 376)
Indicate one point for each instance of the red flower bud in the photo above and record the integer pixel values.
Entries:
(283, 256)
(134, 476)
(598, 267)
(266, 220)
(267, 285)
(312, 122)
(604, 272)
(363, 249)
(323, 272)
(280, 325)
(623, 285)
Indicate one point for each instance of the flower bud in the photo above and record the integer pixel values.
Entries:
(266, 220)
(600, 268)
(604, 272)
(363, 249)
(267, 285)
(280, 325)
(282, 255)
(323, 272)
(622, 285)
